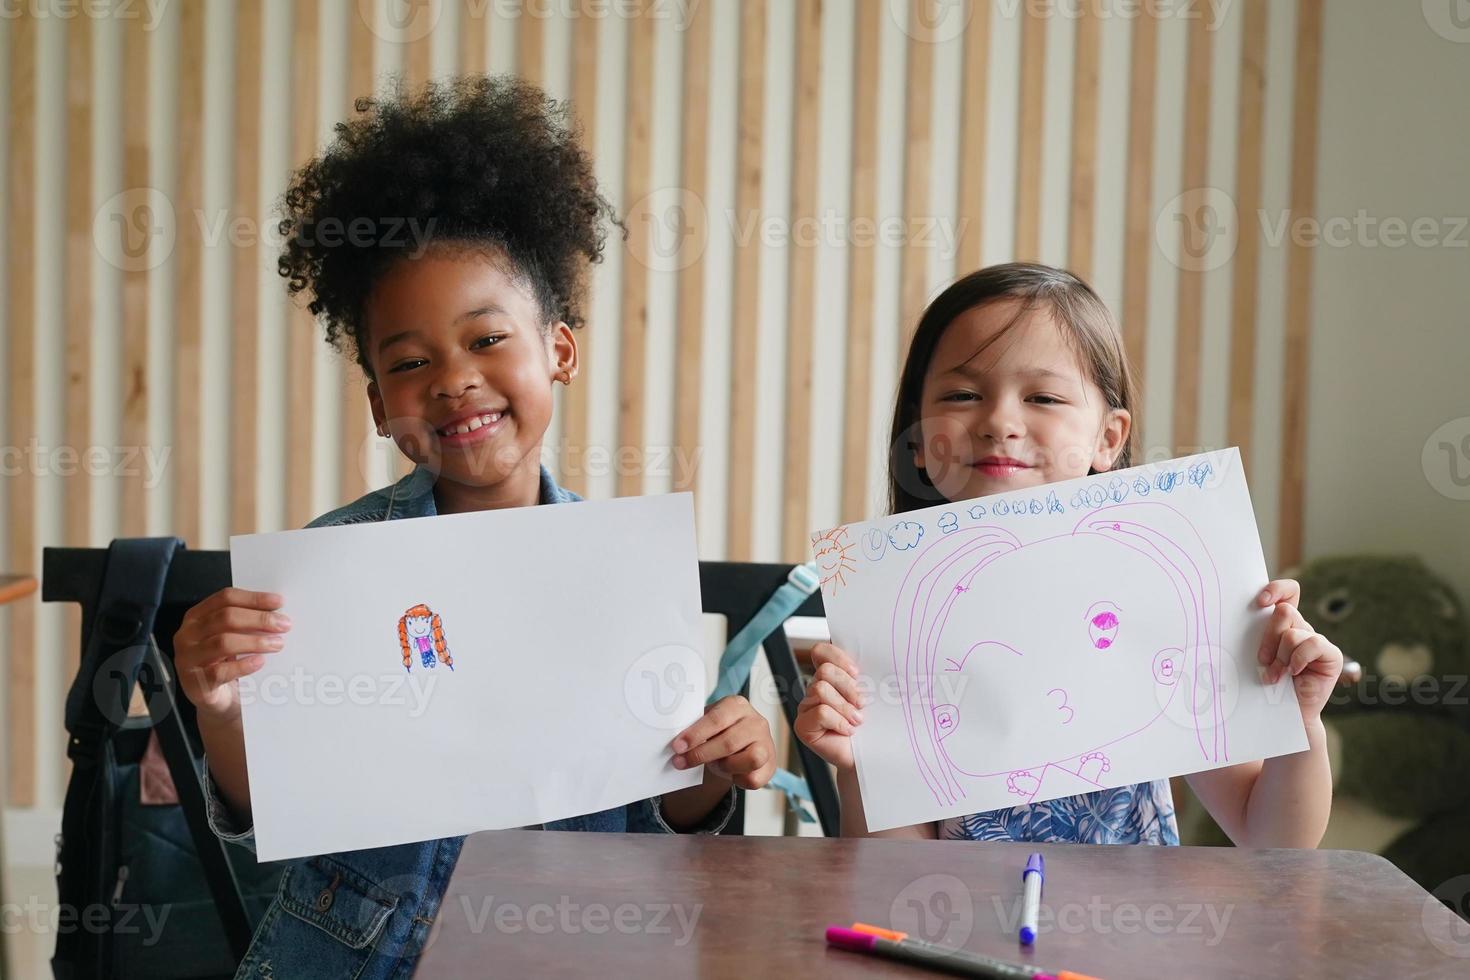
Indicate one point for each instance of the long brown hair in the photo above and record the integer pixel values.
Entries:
(1086, 323)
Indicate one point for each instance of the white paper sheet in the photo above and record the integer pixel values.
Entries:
(571, 656)
(1080, 636)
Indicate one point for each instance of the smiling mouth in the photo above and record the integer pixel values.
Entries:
(466, 426)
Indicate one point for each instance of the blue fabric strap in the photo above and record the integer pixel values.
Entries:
(739, 657)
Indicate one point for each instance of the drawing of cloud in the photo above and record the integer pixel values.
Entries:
(977, 512)
(948, 522)
(1141, 487)
(905, 535)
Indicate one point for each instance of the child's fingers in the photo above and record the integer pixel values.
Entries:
(845, 683)
(240, 619)
(231, 596)
(828, 653)
(728, 742)
(1313, 649)
(752, 758)
(225, 646)
(750, 768)
(230, 670)
(1284, 617)
(823, 718)
(1290, 640)
(1287, 590)
(829, 695)
(717, 717)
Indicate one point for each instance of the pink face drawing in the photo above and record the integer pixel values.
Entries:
(1083, 660)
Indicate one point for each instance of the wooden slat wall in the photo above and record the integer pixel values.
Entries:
(301, 327)
(1246, 272)
(1190, 316)
(531, 46)
(245, 323)
(78, 284)
(637, 177)
(1304, 117)
(576, 406)
(739, 543)
(973, 106)
(1028, 136)
(137, 45)
(1084, 146)
(861, 264)
(20, 359)
(188, 284)
(914, 264)
(357, 431)
(472, 38)
(896, 70)
(801, 290)
(1139, 218)
(693, 177)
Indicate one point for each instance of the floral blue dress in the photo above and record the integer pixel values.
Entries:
(1139, 814)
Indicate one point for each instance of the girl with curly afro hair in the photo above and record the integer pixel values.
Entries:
(443, 239)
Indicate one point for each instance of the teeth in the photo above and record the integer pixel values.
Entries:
(471, 425)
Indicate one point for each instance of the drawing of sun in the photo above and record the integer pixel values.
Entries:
(833, 551)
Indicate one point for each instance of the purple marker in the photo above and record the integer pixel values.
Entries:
(1031, 880)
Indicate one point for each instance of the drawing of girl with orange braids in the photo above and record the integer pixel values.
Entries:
(420, 629)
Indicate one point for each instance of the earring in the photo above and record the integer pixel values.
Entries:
(565, 377)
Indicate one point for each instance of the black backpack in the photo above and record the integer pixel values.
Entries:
(146, 890)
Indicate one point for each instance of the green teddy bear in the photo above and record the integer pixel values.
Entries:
(1398, 736)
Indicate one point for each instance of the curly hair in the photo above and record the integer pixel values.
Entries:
(476, 161)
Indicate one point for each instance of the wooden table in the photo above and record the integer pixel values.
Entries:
(529, 903)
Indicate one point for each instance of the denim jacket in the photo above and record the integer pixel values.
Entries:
(367, 914)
